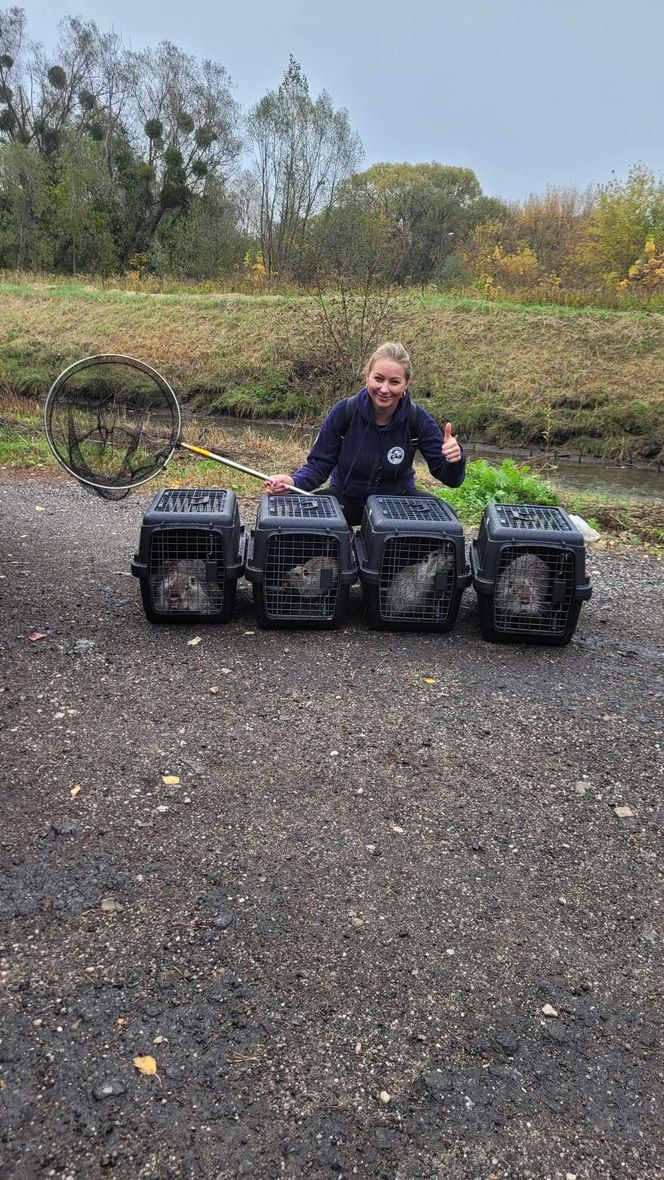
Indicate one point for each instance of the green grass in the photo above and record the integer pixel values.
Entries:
(77, 292)
(473, 303)
(19, 450)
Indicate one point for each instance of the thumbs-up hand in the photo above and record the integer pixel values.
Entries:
(451, 448)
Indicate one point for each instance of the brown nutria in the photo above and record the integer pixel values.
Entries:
(182, 586)
(306, 579)
(522, 586)
(411, 588)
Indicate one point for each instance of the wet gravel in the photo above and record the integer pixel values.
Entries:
(336, 935)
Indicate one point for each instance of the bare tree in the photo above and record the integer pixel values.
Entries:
(245, 193)
(303, 149)
(358, 255)
(554, 224)
(107, 102)
(39, 93)
(186, 106)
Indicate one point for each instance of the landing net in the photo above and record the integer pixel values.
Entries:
(113, 422)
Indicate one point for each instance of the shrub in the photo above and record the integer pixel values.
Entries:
(507, 484)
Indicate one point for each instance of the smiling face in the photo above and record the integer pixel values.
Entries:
(386, 384)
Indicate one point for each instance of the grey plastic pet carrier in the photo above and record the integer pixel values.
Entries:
(529, 571)
(190, 555)
(412, 563)
(300, 561)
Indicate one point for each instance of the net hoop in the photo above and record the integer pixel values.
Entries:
(110, 358)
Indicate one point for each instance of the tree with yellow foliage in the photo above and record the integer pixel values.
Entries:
(646, 275)
(627, 216)
(498, 258)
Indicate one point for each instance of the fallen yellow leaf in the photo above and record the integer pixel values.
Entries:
(428, 680)
(146, 1065)
(75, 789)
(170, 780)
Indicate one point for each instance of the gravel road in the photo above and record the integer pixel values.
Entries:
(387, 858)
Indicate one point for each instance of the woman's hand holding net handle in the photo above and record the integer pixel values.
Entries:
(282, 483)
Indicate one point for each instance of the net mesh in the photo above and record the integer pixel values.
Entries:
(112, 422)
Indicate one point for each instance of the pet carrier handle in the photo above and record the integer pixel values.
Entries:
(238, 466)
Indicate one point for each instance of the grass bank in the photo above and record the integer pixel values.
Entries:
(587, 380)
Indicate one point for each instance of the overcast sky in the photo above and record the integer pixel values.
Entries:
(525, 92)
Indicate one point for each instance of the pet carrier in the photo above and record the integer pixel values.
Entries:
(412, 563)
(300, 561)
(190, 556)
(529, 571)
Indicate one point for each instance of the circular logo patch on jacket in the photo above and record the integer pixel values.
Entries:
(395, 455)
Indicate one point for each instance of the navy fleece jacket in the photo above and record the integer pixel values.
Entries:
(375, 460)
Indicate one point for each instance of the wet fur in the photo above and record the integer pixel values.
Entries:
(182, 586)
(522, 587)
(305, 580)
(412, 586)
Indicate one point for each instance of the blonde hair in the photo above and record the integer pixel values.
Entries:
(390, 352)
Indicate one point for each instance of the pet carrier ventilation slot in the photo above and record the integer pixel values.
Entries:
(300, 508)
(192, 502)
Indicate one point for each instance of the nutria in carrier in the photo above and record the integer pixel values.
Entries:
(300, 561)
(190, 556)
(529, 571)
(412, 563)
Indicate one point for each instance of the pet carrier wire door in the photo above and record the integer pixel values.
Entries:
(529, 572)
(300, 561)
(412, 563)
(190, 556)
